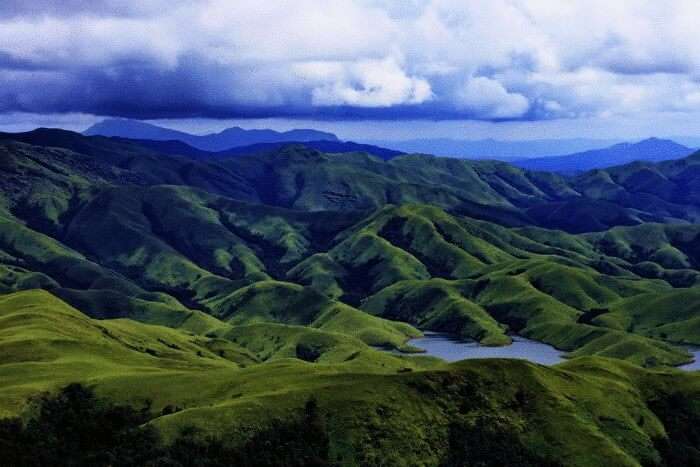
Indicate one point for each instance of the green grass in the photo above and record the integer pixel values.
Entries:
(516, 299)
(282, 302)
(253, 374)
(44, 342)
(437, 305)
(404, 419)
(672, 315)
(236, 289)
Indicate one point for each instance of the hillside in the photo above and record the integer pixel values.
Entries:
(523, 404)
(608, 418)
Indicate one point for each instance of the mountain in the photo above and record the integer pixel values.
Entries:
(226, 139)
(135, 129)
(186, 258)
(172, 146)
(325, 146)
(649, 150)
(279, 226)
(298, 177)
(493, 149)
(232, 292)
(179, 148)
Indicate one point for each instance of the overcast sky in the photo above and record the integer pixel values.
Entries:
(491, 68)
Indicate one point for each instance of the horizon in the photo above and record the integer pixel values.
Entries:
(203, 127)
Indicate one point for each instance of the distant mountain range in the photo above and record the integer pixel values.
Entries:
(494, 149)
(226, 139)
(296, 176)
(580, 154)
(231, 142)
(179, 148)
(648, 150)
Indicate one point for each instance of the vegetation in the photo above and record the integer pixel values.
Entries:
(76, 428)
(230, 291)
(495, 412)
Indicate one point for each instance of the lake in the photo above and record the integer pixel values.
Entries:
(452, 349)
(695, 366)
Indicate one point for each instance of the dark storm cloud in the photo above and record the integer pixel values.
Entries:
(66, 8)
(437, 59)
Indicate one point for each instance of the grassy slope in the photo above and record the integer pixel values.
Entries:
(406, 417)
(243, 300)
(302, 178)
(282, 302)
(604, 404)
(533, 281)
(45, 342)
(672, 315)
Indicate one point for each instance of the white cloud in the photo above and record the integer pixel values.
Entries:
(367, 83)
(488, 99)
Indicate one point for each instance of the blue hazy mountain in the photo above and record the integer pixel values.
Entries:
(648, 150)
(325, 146)
(690, 141)
(494, 149)
(226, 139)
(176, 147)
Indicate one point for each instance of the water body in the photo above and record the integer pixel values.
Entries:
(452, 349)
(695, 366)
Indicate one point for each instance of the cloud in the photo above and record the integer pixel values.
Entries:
(367, 83)
(488, 99)
(433, 59)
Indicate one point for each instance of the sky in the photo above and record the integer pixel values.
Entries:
(369, 69)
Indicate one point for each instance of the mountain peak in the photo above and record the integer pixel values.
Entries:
(654, 141)
(647, 150)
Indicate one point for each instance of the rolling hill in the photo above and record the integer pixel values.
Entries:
(298, 177)
(165, 251)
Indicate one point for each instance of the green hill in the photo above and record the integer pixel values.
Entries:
(614, 412)
(297, 177)
(233, 290)
(176, 256)
(46, 343)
